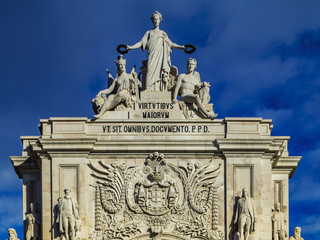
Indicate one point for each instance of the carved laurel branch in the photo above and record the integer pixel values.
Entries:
(201, 209)
(116, 232)
(121, 232)
(181, 175)
(197, 179)
(112, 184)
(193, 231)
(113, 181)
(215, 209)
(98, 210)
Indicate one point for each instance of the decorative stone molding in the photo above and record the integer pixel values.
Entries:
(156, 197)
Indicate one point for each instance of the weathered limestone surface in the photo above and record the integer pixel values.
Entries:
(155, 163)
(250, 158)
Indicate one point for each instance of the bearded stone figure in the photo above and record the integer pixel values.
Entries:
(296, 234)
(12, 234)
(67, 216)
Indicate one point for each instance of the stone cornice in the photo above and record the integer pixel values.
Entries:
(242, 145)
(23, 164)
(229, 137)
(273, 149)
(287, 164)
(68, 147)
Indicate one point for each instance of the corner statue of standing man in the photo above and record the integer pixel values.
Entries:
(279, 228)
(159, 47)
(68, 217)
(245, 215)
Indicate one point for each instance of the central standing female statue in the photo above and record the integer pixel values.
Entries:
(159, 47)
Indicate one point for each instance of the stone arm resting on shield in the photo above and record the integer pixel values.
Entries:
(125, 89)
(107, 105)
(111, 88)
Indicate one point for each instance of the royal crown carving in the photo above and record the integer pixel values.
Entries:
(156, 199)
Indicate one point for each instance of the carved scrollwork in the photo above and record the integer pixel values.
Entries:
(156, 197)
(111, 185)
(199, 188)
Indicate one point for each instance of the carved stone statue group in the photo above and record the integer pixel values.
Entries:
(154, 199)
(127, 86)
(159, 47)
(156, 74)
(155, 193)
(245, 218)
(67, 219)
(192, 90)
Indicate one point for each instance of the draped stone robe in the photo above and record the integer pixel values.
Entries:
(159, 48)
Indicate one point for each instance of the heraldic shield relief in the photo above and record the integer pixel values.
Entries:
(156, 200)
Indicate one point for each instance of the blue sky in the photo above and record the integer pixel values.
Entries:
(261, 57)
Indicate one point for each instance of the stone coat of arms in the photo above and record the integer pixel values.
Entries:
(156, 200)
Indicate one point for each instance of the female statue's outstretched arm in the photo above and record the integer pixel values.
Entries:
(177, 46)
(135, 46)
